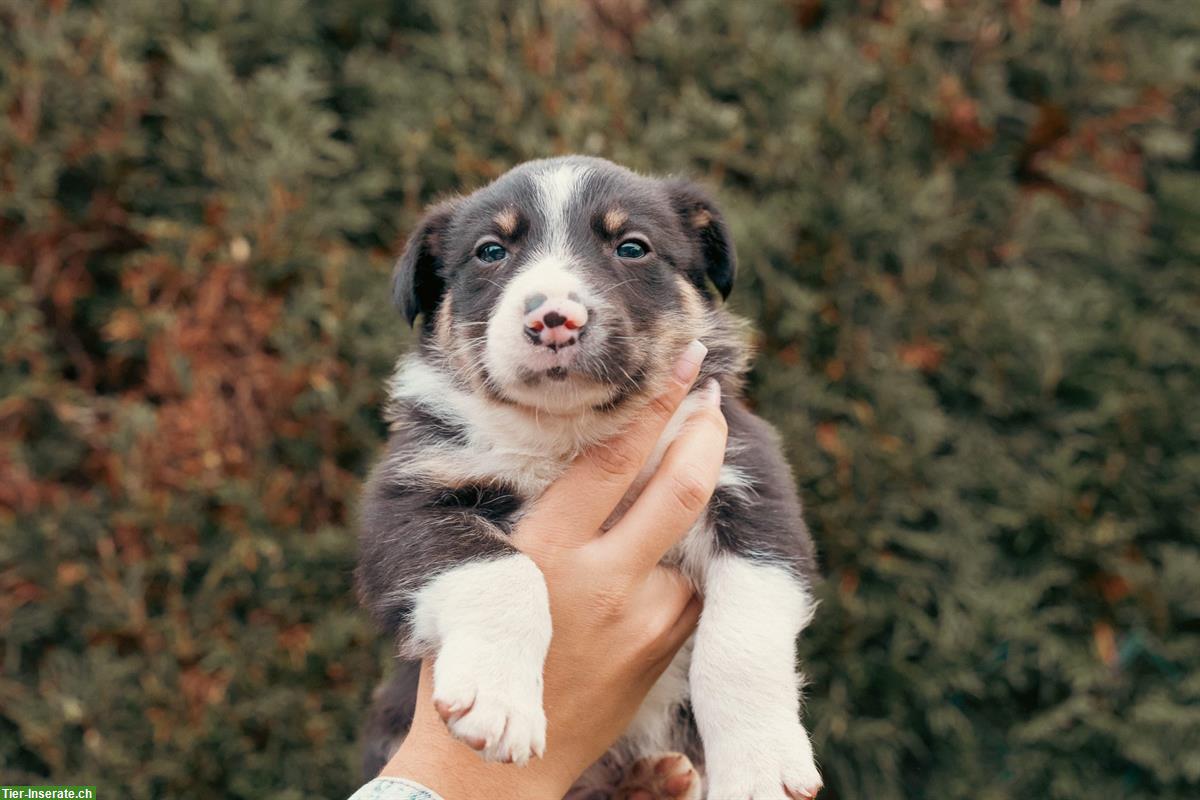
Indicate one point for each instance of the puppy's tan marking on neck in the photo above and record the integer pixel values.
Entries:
(692, 311)
(614, 218)
(506, 220)
(443, 323)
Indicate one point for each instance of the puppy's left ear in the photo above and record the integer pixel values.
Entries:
(703, 221)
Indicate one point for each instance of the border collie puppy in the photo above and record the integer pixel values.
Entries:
(553, 304)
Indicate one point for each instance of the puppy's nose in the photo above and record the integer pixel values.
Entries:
(554, 323)
(553, 319)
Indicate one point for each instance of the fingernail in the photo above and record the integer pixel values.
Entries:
(713, 390)
(688, 365)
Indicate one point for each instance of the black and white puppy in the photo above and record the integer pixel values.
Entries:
(553, 303)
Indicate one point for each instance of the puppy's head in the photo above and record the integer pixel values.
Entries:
(567, 283)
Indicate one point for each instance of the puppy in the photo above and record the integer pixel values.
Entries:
(552, 305)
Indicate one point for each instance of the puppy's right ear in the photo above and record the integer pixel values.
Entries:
(417, 282)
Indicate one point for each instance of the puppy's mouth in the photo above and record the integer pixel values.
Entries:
(570, 354)
(565, 367)
(588, 373)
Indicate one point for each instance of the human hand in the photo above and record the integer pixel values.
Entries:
(619, 617)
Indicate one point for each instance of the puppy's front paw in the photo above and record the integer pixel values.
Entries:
(774, 765)
(492, 704)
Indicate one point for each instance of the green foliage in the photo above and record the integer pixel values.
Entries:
(968, 234)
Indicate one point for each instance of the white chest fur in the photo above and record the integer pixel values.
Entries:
(528, 452)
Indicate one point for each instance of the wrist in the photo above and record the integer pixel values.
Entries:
(432, 757)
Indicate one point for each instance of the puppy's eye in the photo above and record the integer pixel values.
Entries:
(632, 248)
(491, 252)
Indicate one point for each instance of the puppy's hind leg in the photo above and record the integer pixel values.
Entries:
(663, 776)
(390, 718)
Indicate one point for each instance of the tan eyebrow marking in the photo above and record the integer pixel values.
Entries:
(506, 220)
(701, 218)
(614, 218)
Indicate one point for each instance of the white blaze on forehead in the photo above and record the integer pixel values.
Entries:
(557, 188)
(548, 270)
(547, 274)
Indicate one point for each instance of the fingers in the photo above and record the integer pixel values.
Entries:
(575, 506)
(677, 493)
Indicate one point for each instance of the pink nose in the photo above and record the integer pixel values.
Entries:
(554, 323)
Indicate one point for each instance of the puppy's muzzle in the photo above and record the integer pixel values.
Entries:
(555, 323)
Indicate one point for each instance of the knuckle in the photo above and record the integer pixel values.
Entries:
(610, 604)
(663, 405)
(608, 590)
(689, 490)
(714, 420)
(653, 632)
(614, 459)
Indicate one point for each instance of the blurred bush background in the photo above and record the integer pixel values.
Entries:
(969, 236)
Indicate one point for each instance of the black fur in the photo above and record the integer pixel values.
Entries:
(764, 522)
(412, 531)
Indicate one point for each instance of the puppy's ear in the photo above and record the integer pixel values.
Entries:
(703, 221)
(417, 282)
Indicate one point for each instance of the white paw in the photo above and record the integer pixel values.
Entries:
(777, 766)
(491, 703)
